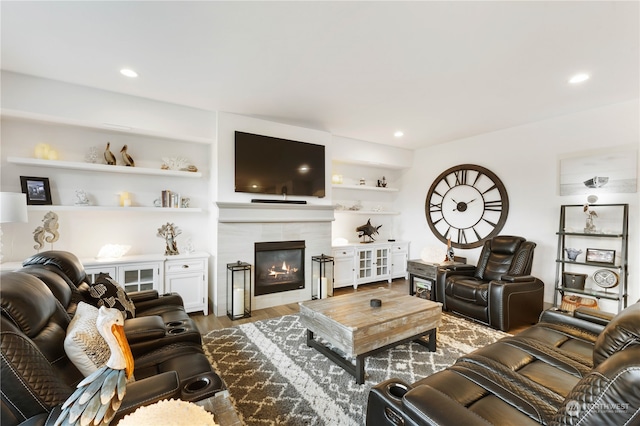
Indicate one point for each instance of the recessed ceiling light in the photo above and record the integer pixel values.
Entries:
(579, 78)
(129, 73)
(398, 134)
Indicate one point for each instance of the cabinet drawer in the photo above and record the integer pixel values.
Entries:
(398, 248)
(185, 265)
(345, 252)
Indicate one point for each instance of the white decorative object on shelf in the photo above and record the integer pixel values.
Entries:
(112, 251)
(82, 199)
(92, 155)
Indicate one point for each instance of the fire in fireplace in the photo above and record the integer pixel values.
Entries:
(279, 266)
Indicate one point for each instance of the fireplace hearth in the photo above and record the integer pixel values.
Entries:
(279, 266)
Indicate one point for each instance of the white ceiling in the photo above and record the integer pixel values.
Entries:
(439, 71)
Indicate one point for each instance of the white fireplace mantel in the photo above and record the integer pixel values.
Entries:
(273, 212)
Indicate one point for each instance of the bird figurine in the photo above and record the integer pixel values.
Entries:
(126, 158)
(108, 156)
(99, 395)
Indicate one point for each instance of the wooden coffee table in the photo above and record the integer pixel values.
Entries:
(351, 325)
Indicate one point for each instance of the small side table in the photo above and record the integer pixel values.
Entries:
(427, 271)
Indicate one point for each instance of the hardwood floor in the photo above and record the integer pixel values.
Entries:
(211, 322)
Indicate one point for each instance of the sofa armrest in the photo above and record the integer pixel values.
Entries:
(515, 302)
(139, 393)
(144, 328)
(465, 268)
(141, 296)
(427, 405)
(556, 316)
(593, 315)
(517, 278)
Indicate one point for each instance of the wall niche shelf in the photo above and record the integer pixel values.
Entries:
(73, 165)
(141, 209)
(364, 188)
(368, 212)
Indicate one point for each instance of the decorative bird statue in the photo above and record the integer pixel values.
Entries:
(108, 156)
(99, 395)
(126, 158)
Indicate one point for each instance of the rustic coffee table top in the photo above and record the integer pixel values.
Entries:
(353, 326)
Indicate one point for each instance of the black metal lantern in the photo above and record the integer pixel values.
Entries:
(321, 276)
(238, 290)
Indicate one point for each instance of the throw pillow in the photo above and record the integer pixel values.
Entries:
(84, 346)
(105, 291)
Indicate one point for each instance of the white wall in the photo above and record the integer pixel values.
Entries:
(526, 159)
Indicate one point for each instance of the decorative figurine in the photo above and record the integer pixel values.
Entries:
(450, 253)
(38, 237)
(590, 227)
(51, 226)
(108, 155)
(126, 158)
(177, 163)
(367, 230)
(92, 155)
(382, 183)
(572, 253)
(169, 232)
(81, 198)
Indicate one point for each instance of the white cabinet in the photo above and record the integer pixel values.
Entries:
(134, 273)
(399, 258)
(364, 263)
(344, 266)
(185, 274)
(188, 277)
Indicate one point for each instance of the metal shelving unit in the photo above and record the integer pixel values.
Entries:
(620, 265)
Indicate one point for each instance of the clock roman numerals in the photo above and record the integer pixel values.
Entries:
(461, 177)
(494, 206)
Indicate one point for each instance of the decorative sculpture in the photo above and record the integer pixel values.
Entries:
(82, 199)
(450, 253)
(572, 253)
(126, 158)
(51, 226)
(590, 227)
(169, 232)
(99, 395)
(38, 237)
(108, 155)
(367, 230)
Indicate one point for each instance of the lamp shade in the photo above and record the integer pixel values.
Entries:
(13, 207)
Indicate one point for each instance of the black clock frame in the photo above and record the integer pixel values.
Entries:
(459, 175)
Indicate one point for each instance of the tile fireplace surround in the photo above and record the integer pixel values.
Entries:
(240, 225)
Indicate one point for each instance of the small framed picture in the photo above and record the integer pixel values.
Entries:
(601, 256)
(37, 190)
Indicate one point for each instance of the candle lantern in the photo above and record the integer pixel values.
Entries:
(321, 276)
(238, 290)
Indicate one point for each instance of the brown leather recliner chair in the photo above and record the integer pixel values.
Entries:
(498, 291)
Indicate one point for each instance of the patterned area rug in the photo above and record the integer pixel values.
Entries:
(275, 379)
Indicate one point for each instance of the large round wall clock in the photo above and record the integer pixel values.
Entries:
(467, 204)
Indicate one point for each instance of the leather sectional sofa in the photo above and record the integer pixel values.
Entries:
(38, 303)
(581, 369)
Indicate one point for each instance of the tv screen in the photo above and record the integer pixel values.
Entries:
(266, 165)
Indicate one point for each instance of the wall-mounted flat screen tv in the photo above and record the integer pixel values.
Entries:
(267, 165)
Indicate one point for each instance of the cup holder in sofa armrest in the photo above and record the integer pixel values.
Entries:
(177, 330)
(397, 390)
(201, 386)
(144, 329)
(171, 324)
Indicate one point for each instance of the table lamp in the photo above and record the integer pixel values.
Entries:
(13, 208)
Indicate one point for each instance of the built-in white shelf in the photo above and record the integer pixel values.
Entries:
(367, 212)
(92, 167)
(112, 127)
(116, 208)
(364, 187)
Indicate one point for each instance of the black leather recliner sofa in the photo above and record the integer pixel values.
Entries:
(498, 291)
(581, 369)
(37, 376)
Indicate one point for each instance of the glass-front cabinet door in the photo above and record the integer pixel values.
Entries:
(382, 262)
(139, 277)
(365, 264)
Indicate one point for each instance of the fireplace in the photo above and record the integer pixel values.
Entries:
(279, 266)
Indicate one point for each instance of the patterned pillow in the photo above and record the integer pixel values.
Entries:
(84, 346)
(105, 291)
